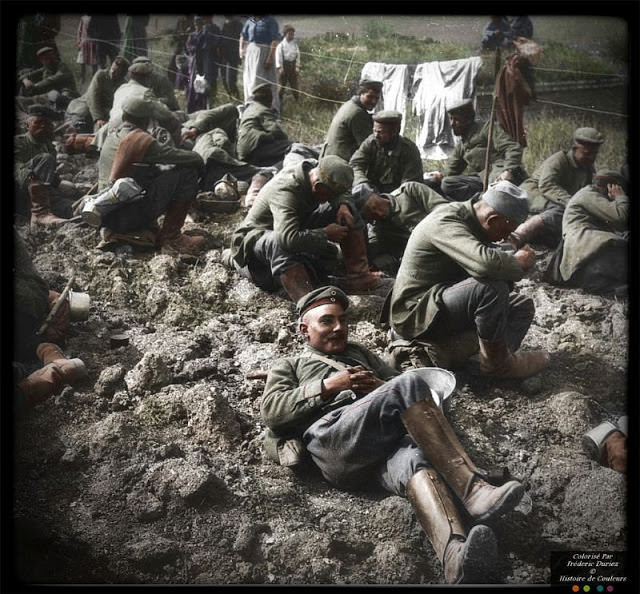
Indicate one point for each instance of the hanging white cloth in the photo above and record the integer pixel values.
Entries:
(435, 84)
(395, 86)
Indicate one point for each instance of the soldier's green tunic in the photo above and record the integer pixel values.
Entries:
(216, 145)
(156, 154)
(470, 153)
(258, 124)
(97, 100)
(158, 110)
(283, 205)
(349, 127)
(291, 398)
(163, 90)
(446, 247)
(591, 224)
(59, 78)
(224, 117)
(410, 203)
(25, 148)
(386, 168)
(557, 179)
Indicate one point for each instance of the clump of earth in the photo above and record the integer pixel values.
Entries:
(151, 471)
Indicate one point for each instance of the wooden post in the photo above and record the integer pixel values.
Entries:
(487, 158)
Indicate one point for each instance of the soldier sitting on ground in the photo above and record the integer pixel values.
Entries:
(594, 252)
(385, 159)
(130, 152)
(363, 424)
(288, 238)
(464, 172)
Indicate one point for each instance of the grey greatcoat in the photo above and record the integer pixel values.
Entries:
(445, 248)
(594, 233)
(351, 124)
(385, 168)
(554, 182)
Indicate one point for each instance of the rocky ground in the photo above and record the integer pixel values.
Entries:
(151, 470)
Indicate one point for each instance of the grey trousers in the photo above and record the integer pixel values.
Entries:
(366, 441)
(487, 306)
(461, 187)
(176, 185)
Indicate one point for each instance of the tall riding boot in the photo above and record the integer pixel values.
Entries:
(526, 232)
(468, 558)
(354, 252)
(453, 350)
(296, 282)
(41, 207)
(498, 361)
(170, 238)
(72, 370)
(434, 436)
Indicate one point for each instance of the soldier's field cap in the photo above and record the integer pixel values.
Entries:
(141, 60)
(460, 105)
(43, 111)
(321, 296)
(590, 135)
(44, 50)
(388, 116)
(371, 84)
(611, 176)
(137, 107)
(335, 173)
(287, 28)
(508, 200)
(141, 68)
(262, 89)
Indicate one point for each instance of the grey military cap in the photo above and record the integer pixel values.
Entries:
(590, 135)
(388, 116)
(611, 176)
(509, 200)
(42, 111)
(44, 50)
(371, 84)
(141, 68)
(335, 173)
(141, 60)
(460, 105)
(321, 296)
(137, 107)
(262, 89)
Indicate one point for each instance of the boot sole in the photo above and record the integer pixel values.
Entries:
(509, 500)
(480, 558)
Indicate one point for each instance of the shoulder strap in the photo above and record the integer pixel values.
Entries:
(330, 362)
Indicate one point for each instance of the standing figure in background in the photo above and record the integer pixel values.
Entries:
(211, 59)
(105, 30)
(288, 62)
(47, 29)
(230, 54)
(258, 41)
(521, 26)
(87, 50)
(134, 43)
(195, 47)
(178, 40)
(496, 34)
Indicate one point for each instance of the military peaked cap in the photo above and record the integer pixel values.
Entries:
(137, 107)
(322, 296)
(335, 173)
(43, 111)
(462, 105)
(388, 116)
(141, 68)
(590, 135)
